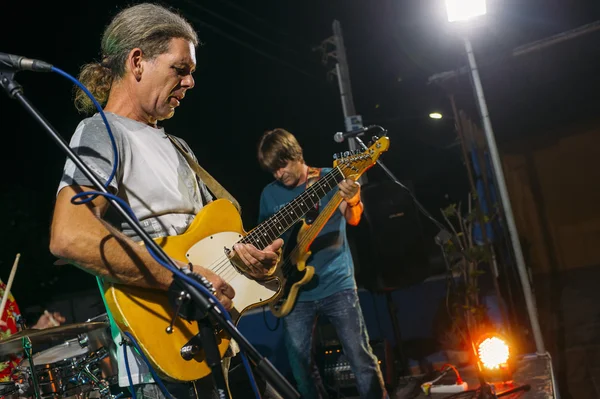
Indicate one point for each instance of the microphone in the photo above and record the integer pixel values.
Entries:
(339, 137)
(23, 64)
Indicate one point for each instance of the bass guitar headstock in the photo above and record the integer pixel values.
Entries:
(354, 163)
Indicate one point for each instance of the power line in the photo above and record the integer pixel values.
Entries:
(240, 27)
(243, 10)
(264, 22)
(249, 46)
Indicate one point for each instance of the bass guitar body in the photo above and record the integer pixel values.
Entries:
(295, 271)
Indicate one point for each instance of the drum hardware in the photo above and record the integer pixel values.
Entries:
(102, 384)
(8, 389)
(79, 366)
(102, 318)
(83, 340)
(27, 348)
(51, 335)
(19, 321)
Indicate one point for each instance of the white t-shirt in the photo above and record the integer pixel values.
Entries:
(152, 176)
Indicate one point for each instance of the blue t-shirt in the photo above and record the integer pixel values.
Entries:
(331, 257)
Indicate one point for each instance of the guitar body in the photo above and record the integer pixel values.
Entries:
(146, 313)
(297, 272)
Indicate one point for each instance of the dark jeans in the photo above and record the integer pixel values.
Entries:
(201, 389)
(177, 391)
(343, 311)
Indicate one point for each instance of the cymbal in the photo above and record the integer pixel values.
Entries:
(14, 343)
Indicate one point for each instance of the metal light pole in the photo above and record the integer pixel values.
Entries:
(506, 205)
(461, 10)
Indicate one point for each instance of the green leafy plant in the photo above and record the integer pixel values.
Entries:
(465, 257)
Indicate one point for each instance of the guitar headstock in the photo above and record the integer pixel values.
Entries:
(354, 163)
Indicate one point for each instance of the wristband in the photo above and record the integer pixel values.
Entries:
(352, 206)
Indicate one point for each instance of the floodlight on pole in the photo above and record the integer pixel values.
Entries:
(462, 10)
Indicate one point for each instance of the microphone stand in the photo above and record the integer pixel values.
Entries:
(398, 182)
(204, 303)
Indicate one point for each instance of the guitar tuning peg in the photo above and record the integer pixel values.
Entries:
(335, 156)
(346, 153)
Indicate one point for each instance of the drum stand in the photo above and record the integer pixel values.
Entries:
(27, 350)
(102, 384)
(203, 303)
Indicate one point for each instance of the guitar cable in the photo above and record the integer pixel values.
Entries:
(91, 195)
(264, 312)
(126, 361)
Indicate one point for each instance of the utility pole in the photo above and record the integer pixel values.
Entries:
(352, 121)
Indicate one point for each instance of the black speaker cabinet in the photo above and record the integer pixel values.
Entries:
(388, 245)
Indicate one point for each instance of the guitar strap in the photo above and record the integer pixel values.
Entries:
(213, 185)
(313, 175)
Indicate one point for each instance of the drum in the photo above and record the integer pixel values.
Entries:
(57, 370)
(77, 367)
(9, 390)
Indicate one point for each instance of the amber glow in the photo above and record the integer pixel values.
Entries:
(493, 353)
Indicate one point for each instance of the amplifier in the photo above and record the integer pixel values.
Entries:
(336, 371)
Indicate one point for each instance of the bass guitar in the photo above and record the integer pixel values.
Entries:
(295, 272)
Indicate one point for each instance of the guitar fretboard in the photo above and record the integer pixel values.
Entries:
(269, 230)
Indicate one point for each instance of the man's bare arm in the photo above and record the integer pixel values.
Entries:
(80, 236)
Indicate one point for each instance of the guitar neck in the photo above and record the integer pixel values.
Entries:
(315, 228)
(306, 237)
(272, 228)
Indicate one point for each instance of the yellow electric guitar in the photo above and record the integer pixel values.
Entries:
(146, 313)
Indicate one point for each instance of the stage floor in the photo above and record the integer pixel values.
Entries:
(531, 369)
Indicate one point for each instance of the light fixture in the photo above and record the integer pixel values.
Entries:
(494, 358)
(493, 353)
(435, 115)
(462, 10)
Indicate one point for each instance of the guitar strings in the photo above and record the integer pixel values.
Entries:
(221, 264)
(287, 266)
(305, 240)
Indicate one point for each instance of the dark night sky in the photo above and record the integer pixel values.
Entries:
(243, 89)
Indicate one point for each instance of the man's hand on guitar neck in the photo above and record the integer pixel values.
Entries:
(351, 207)
(350, 191)
(256, 263)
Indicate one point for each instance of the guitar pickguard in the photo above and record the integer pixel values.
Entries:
(211, 253)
